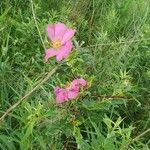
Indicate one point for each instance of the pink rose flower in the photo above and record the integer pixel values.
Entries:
(60, 37)
(71, 92)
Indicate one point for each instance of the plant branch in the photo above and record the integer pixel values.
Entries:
(111, 97)
(117, 43)
(28, 94)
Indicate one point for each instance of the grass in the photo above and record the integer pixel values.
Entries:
(111, 51)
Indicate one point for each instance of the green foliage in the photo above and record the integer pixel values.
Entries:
(111, 51)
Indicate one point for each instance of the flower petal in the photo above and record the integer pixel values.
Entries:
(60, 30)
(73, 93)
(68, 35)
(49, 53)
(64, 51)
(61, 95)
(51, 31)
(78, 82)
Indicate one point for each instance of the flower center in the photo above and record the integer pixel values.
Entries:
(56, 44)
(67, 86)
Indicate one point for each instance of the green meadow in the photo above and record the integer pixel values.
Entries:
(111, 52)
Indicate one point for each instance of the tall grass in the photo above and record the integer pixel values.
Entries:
(113, 112)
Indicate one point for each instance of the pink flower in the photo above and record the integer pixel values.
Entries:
(61, 95)
(60, 37)
(71, 92)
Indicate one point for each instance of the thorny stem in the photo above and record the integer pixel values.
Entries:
(28, 94)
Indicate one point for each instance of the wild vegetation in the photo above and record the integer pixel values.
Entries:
(111, 52)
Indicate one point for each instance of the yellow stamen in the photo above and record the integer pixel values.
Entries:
(56, 44)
